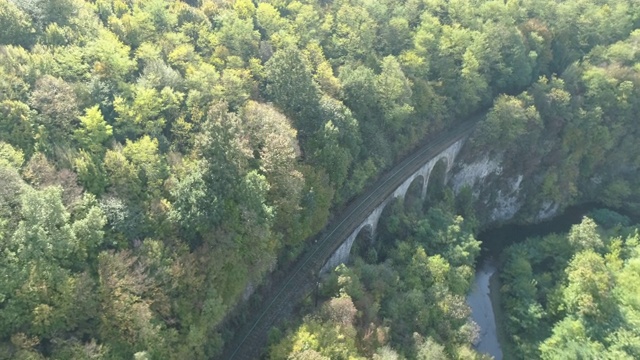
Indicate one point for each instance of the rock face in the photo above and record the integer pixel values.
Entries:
(474, 174)
(498, 193)
(501, 193)
(507, 201)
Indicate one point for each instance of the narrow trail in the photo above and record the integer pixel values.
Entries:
(251, 339)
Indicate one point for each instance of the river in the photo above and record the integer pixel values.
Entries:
(482, 311)
(493, 241)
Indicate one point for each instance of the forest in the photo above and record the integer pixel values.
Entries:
(160, 158)
(575, 295)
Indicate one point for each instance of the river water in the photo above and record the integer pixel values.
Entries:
(482, 311)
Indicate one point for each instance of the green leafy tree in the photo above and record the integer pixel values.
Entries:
(90, 172)
(508, 120)
(338, 144)
(145, 157)
(17, 27)
(45, 12)
(570, 340)
(122, 176)
(589, 291)
(16, 124)
(353, 33)
(394, 92)
(57, 111)
(270, 20)
(48, 295)
(94, 131)
(126, 316)
(290, 85)
(584, 236)
(238, 35)
(145, 113)
(275, 150)
(109, 58)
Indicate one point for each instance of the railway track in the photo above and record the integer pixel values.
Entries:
(251, 339)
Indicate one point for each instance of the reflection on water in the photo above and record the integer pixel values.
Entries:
(482, 311)
(494, 240)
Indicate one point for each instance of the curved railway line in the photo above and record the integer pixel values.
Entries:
(291, 289)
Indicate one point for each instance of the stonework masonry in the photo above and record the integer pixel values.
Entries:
(341, 255)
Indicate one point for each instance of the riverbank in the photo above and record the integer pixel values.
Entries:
(496, 303)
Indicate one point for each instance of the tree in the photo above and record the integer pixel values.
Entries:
(584, 236)
(193, 207)
(11, 186)
(145, 157)
(122, 176)
(238, 35)
(431, 350)
(396, 35)
(589, 292)
(45, 12)
(109, 58)
(512, 70)
(360, 91)
(270, 20)
(57, 111)
(145, 113)
(275, 150)
(17, 27)
(508, 120)
(47, 294)
(394, 93)
(570, 341)
(338, 145)
(16, 124)
(126, 317)
(290, 85)
(340, 311)
(353, 33)
(90, 172)
(94, 131)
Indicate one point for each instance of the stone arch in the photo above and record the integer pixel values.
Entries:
(423, 173)
(451, 153)
(384, 240)
(362, 242)
(415, 192)
(437, 177)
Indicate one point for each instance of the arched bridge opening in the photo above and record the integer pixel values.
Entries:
(414, 198)
(363, 245)
(437, 180)
(387, 230)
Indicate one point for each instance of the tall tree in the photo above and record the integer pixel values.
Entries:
(290, 85)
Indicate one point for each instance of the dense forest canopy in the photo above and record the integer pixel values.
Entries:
(159, 157)
(575, 295)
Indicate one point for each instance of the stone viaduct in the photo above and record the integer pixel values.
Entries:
(341, 255)
(334, 244)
